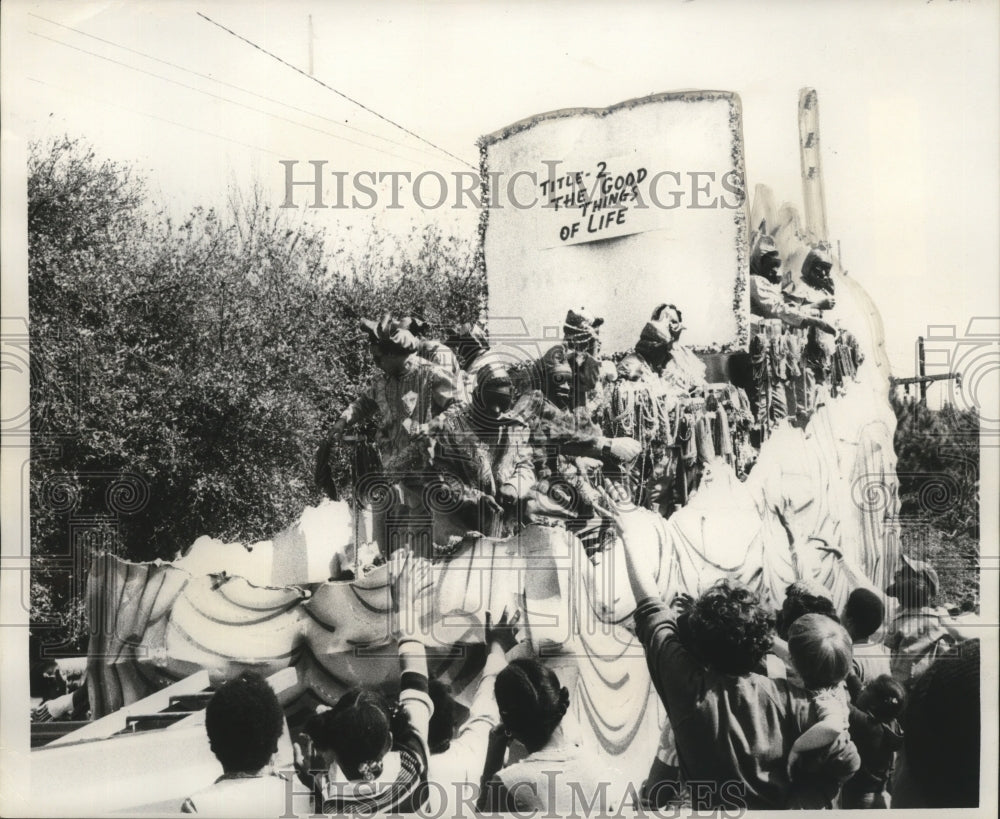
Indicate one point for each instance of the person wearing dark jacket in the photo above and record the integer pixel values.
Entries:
(733, 726)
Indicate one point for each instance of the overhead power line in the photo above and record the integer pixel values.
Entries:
(219, 97)
(235, 87)
(153, 116)
(361, 105)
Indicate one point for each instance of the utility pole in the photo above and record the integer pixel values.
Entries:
(921, 379)
(921, 369)
(311, 74)
(812, 167)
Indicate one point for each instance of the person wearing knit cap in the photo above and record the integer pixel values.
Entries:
(581, 334)
(479, 460)
(405, 393)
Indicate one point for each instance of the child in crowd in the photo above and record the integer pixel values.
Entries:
(862, 617)
(820, 651)
(875, 731)
(801, 597)
(244, 722)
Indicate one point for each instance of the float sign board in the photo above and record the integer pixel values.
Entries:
(618, 210)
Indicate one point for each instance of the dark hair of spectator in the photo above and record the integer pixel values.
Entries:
(941, 730)
(797, 603)
(730, 628)
(885, 698)
(244, 722)
(820, 649)
(532, 703)
(863, 613)
(358, 731)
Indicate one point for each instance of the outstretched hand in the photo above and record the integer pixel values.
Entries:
(635, 536)
(618, 506)
(504, 632)
(308, 761)
(411, 593)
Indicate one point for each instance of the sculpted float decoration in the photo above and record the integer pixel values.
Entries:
(823, 480)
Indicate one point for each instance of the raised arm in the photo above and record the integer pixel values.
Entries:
(634, 536)
(411, 591)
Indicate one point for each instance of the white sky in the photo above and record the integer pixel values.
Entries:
(908, 106)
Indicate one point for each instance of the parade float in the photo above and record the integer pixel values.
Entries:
(817, 500)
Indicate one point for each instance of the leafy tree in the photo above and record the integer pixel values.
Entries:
(938, 467)
(183, 374)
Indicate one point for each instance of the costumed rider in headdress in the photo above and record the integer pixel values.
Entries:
(581, 336)
(432, 349)
(570, 449)
(658, 354)
(479, 458)
(647, 404)
(405, 393)
(468, 342)
(814, 286)
(768, 300)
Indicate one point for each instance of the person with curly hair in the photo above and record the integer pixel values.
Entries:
(244, 722)
(733, 727)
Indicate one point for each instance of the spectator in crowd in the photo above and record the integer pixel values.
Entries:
(939, 763)
(875, 731)
(559, 775)
(862, 617)
(820, 650)
(919, 633)
(361, 730)
(244, 722)
(733, 726)
(801, 597)
(458, 751)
